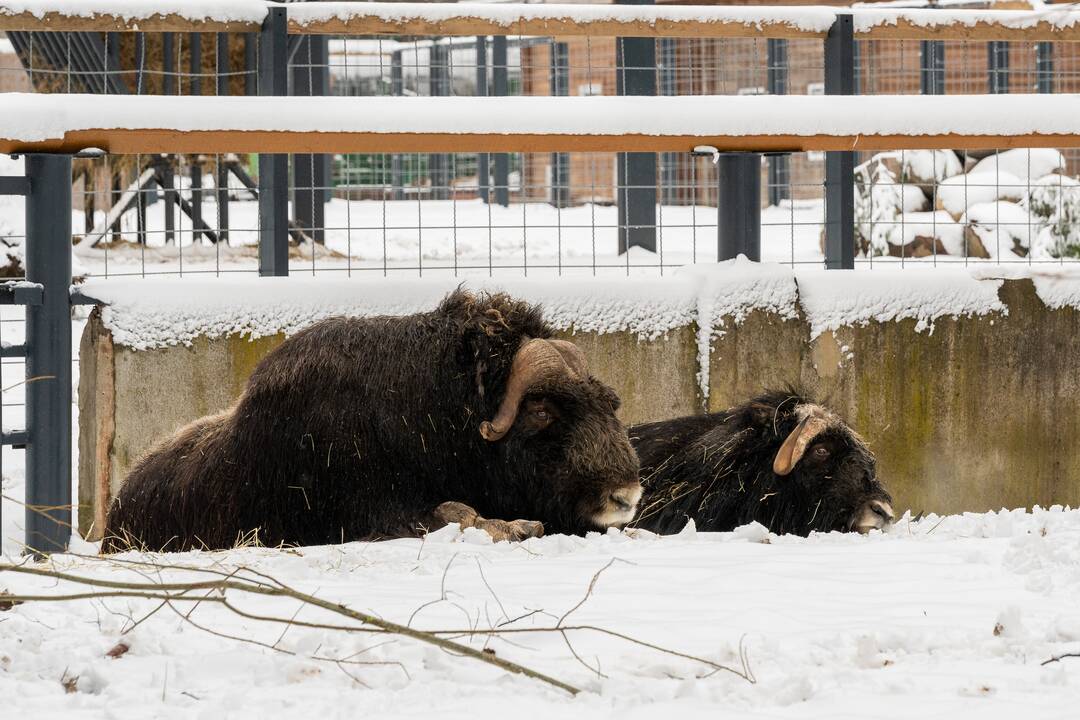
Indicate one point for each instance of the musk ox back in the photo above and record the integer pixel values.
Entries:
(359, 428)
(780, 459)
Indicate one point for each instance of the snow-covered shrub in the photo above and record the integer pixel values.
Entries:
(880, 199)
(1054, 202)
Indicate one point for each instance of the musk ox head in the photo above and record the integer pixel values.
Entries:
(556, 432)
(828, 461)
(780, 459)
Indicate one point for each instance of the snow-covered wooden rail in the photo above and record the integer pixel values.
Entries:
(463, 19)
(154, 124)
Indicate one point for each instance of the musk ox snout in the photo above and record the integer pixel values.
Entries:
(872, 515)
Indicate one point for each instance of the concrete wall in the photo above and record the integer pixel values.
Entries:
(982, 413)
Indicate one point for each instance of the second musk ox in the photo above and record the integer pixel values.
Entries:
(779, 459)
(365, 428)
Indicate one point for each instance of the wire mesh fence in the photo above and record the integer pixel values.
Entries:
(544, 213)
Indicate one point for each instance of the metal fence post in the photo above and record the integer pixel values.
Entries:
(840, 165)
(439, 86)
(397, 89)
(483, 179)
(635, 74)
(932, 67)
(997, 65)
(500, 87)
(738, 206)
(48, 362)
(776, 79)
(311, 78)
(669, 162)
(1044, 67)
(559, 80)
(222, 170)
(274, 169)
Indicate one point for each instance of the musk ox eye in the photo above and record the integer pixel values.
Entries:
(820, 452)
(541, 414)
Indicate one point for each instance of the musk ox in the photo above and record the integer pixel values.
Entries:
(779, 459)
(362, 428)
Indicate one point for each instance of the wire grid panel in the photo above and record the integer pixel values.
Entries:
(549, 213)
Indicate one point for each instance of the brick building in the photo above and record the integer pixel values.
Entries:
(581, 66)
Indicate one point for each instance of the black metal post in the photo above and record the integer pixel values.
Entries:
(439, 86)
(251, 63)
(48, 362)
(932, 67)
(840, 166)
(776, 79)
(274, 169)
(165, 179)
(310, 179)
(397, 89)
(222, 170)
(1044, 67)
(483, 178)
(635, 74)
(738, 206)
(559, 80)
(997, 64)
(168, 64)
(669, 161)
(196, 198)
(500, 78)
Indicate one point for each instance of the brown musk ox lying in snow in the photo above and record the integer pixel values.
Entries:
(779, 459)
(368, 428)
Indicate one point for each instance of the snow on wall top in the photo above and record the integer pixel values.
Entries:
(253, 11)
(866, 19)
(811, 19)
(29, 117)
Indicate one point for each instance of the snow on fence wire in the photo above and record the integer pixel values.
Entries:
(559, 185)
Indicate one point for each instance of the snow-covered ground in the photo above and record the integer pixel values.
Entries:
(938, 617)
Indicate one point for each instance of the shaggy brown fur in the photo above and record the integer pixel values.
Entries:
(359, 428)
(718, 470)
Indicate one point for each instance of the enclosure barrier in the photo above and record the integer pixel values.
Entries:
(157, 125)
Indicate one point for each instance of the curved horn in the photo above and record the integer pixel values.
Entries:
(795, 445)
(534, 360)
(575, 359)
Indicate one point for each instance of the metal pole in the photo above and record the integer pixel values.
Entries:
(997, 61)
(840, 166)
(274, 169)
(195, 63)
(222, 170)
(932, 67)
(48, 364)
(559, 81)
(483, 178)
(1044, 67)
(397, 89)
(168, 64)
(438, 86)
(309, 176)
(635, 74)
(776, 78)
(738, 206)
(500, 87)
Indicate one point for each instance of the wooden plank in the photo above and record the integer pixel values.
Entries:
(108, 22)
(146, 141)
(471, 26)
(981, 31)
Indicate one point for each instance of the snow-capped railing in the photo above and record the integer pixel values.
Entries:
(1048, 23)
(155, 124)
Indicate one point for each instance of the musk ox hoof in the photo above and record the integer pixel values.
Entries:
(499, 530)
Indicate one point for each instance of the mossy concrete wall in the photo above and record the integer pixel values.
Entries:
(980, 413)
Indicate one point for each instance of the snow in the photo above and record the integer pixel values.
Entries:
(866, 20)
(809, 19)
(1000, 225)
(960, 192)
(837, 298)
(905, 227)
(1022, 163)
(252, 11)
(37, 117)
(940, 617)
